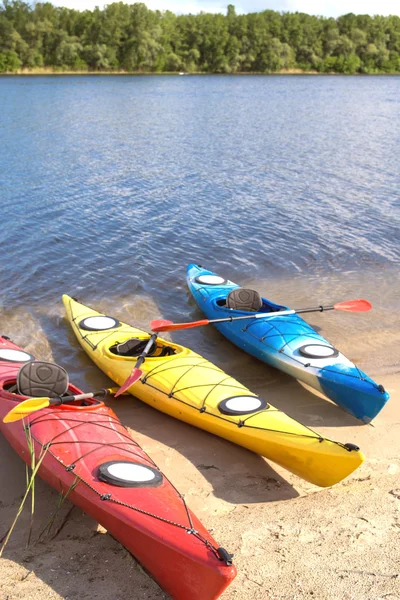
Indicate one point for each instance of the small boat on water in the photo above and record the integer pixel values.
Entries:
(288, 343)
(90, 455)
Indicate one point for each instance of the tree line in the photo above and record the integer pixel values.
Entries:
(133, 38)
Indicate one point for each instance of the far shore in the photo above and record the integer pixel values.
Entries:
(52, 71)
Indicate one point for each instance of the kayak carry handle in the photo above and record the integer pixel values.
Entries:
(225, 556)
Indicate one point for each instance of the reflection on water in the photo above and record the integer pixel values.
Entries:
(110, 186)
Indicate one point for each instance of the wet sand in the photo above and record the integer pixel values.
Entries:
(290, 540)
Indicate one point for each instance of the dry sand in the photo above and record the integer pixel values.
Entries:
(291, 540)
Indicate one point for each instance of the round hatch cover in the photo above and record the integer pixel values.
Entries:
(210, 280)
(318, 351)
(100, 323)
(11, 355)
(242, 405)
(129, 474)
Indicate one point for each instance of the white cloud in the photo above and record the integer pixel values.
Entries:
(335, 8)
(176, 6)
(328, 8)
(182, 7)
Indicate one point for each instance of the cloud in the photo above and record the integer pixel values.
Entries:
(182, 7)
(335, 8)
(175, 6)
(327, 8)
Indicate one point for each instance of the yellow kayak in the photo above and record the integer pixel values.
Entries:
(185, 385)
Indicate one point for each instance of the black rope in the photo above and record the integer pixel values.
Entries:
(241, 423)
(221, 383)
(108, 496)
(103, 445)
(314, 335)
(82, 422)
(183, 375)
(213, 387)
(201, 365)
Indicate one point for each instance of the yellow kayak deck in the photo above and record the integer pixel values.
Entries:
(185, 385)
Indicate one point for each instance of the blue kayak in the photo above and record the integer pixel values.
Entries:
(288, 343)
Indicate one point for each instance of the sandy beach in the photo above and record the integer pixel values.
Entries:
(290, 540)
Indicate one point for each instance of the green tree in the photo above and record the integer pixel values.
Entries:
(9, 62)
(135, 38)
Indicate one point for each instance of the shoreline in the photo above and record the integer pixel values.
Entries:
(290, 72)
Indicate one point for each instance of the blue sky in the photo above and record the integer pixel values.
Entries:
(328, 8)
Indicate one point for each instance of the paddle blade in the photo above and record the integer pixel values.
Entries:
(353, 306)
(176, 326)
(133, 378)
(26, 408)
(154, 325)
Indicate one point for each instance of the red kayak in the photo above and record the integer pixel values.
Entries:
(118, 485)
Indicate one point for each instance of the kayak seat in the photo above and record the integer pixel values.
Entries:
(36, 379)
(244, 299)
(134, 347)
(164, 351)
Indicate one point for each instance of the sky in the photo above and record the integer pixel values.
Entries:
(327, 8)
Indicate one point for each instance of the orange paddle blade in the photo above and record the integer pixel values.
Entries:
(353, 306)
(133, 378)
(159, 323)
(170, 326)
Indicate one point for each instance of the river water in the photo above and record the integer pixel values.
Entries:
(110, 186)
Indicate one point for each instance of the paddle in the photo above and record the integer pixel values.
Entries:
(25, 408)
(349, 305)
(136, 372)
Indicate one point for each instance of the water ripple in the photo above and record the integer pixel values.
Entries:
(112, 185)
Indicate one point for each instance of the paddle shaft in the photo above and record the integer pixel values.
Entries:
(349, 306)
(147, 349)
(281, 313)
(64, 400)
(169, 326)
(136, 373)
(31, 405)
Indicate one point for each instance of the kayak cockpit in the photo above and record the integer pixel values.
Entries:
(133, 347)
(246, 300)
(43, 384)
(265, 307)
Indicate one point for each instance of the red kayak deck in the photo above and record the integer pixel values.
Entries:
(88, 444)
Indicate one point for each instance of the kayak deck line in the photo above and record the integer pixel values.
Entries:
(51, 417)
(312, 335)
(71, 468)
